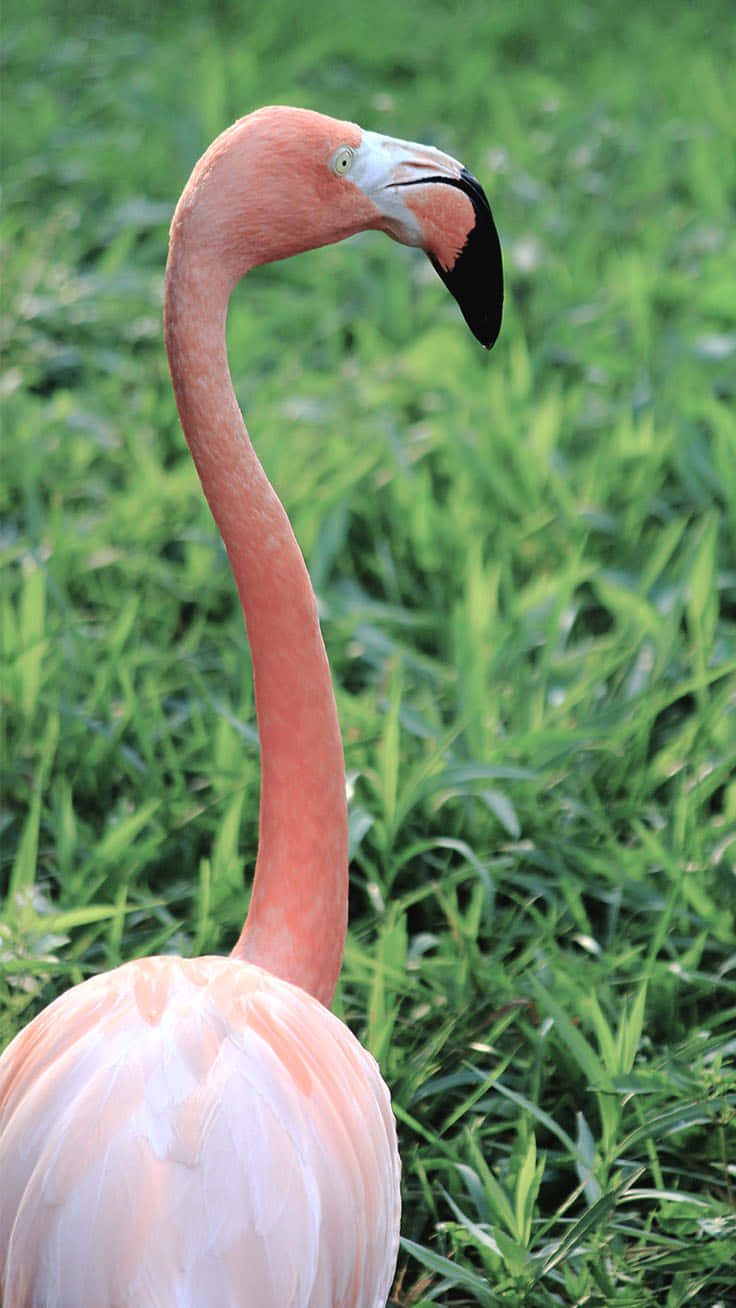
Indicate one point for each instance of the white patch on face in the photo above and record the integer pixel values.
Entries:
(382, 165)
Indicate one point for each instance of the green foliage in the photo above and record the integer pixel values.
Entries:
(526, 564)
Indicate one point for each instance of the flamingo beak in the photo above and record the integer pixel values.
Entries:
(429, 199)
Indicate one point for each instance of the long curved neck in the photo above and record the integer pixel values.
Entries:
(298, 913)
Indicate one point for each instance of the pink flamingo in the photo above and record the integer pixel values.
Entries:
(204, 1131)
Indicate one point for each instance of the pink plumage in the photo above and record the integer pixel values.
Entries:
(196, 1131)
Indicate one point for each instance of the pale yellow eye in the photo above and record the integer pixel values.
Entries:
(342, 160)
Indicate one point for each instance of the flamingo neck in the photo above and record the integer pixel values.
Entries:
(297, 919)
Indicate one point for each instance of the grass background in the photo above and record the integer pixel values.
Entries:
(526, 564)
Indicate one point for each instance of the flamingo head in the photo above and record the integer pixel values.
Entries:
(284, 180)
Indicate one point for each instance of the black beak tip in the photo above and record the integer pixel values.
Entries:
(476, 278)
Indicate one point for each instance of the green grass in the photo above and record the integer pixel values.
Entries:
(526, 564)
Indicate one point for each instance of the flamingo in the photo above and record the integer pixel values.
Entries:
(204, 1131)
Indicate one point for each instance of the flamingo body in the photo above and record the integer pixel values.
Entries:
(231, 1129)
(204, 1132)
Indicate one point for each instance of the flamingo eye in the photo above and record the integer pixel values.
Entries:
(342, 160)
